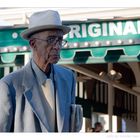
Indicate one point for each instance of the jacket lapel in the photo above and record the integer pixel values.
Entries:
(60, 99)
(31, 92)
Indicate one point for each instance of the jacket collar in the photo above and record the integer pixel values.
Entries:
(40, 75)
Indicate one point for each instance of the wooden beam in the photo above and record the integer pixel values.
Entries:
(92, 74)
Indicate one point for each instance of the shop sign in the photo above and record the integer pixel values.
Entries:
(105, 33)
(110, 29)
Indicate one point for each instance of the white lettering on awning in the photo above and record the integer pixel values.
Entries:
(129, 28)
(117, 28)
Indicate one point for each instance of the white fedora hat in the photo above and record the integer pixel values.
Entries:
(41, 21)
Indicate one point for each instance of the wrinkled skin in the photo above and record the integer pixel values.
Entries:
(43, 53)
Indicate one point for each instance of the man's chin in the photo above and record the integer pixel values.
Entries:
(55, 61)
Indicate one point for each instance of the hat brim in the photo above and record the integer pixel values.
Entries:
(26, 34)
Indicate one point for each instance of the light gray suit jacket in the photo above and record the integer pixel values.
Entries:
(20, 107)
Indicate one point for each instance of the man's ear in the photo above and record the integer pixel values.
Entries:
(32, 43)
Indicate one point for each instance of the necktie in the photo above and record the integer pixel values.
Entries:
(48, 89)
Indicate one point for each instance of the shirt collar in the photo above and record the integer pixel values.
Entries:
(41, 76)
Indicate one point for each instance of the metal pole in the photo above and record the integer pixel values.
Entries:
(6, 70)
(110, 106)
(138, 109)
(110, 100)
(26, 58)
(138, 113)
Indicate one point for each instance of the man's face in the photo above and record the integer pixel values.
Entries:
(47, 46)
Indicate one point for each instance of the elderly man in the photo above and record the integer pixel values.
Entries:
(40, 97)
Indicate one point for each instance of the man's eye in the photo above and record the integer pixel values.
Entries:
(50, 40)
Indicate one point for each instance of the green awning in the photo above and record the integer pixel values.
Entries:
(88, 42)
(89, 55)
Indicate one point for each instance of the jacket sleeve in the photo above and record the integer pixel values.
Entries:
(6, 108)
(76, 117)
